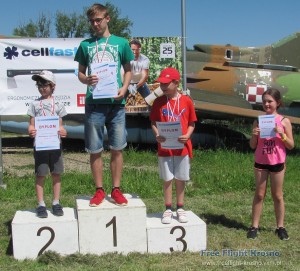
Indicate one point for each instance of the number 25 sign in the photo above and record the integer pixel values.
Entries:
(167, 50)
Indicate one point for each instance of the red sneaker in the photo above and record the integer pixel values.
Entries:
(98, 198)
(118, 198)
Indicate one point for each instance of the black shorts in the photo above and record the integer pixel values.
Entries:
(48, 160)
(271, 168)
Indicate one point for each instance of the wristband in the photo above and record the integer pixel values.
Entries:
(284, 137)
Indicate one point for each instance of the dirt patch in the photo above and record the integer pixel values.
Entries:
(17, 156)
(21, 163)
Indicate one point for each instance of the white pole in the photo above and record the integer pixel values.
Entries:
(2, 185)
(183, 46)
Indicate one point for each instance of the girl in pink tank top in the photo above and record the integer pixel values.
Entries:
(270, 154)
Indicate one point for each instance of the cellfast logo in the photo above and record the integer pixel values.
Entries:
(12, 52)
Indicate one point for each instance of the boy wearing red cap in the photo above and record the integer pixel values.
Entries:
(174, 164)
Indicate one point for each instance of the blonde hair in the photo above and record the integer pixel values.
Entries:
(95, 8)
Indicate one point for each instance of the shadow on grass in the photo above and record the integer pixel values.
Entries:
(223, 220)
(17, 144)
(9, 250)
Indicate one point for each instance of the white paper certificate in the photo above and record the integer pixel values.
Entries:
(107, 86)
(47, 137)
(266, 125)
(171, 131)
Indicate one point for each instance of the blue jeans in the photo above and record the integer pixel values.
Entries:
(99, 116)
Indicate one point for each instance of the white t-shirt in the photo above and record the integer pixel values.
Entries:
(137, 66)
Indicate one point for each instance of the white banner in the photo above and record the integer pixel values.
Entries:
(21, 58)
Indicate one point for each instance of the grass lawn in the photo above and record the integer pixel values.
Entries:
(220, 193)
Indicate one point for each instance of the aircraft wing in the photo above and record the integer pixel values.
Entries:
(229, 111)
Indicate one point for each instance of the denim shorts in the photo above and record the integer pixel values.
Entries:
(101, 116)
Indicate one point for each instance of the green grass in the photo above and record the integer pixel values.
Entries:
(220, 193)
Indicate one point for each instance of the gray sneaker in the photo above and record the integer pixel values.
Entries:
(252, 233)
(41, 212)
(57, 210)
(282, 233)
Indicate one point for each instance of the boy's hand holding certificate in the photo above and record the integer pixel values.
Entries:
(266, 124)
(170, 131)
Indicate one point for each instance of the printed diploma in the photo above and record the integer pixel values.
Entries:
(47, 137)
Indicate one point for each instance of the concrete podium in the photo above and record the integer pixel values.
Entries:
(111, 228)
(33, 235)
(166, 238)
(104, 229)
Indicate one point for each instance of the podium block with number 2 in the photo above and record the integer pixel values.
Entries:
(32, 235)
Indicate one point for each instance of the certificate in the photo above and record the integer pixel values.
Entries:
(107, 86)
(171, 131)
(47, 137)
(266, 124)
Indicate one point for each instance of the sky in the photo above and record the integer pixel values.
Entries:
(236, 22)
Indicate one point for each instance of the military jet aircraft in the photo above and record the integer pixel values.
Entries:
(227, 81)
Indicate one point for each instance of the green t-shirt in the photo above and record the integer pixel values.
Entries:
(112, 49)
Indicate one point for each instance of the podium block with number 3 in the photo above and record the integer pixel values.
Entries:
(112, 228)
(166, 238)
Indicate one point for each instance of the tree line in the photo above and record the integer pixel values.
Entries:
(73, 25)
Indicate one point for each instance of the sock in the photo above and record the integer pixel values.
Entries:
(169, 207)
(179, 206)
(114, 187)
(55, 201)
(99, 188)
(42, 203)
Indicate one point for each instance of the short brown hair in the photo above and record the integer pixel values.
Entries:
(95, 8)
(135, 42)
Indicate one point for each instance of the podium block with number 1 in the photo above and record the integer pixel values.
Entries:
(111, 228)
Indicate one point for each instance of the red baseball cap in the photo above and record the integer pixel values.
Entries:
(167, 75)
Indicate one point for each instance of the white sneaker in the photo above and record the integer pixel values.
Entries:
(181, 215)
(167, 217)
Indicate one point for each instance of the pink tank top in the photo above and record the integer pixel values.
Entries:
(271, 151)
